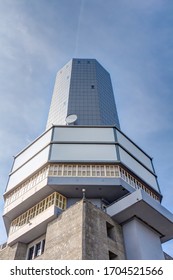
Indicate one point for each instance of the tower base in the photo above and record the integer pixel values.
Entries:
(82, 232)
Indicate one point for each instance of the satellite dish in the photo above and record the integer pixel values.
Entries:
(70, 119)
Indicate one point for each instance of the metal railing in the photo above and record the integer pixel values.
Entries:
(55, 199)
(27, 185)
(77, 170)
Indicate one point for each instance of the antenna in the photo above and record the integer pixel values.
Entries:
(83, 191)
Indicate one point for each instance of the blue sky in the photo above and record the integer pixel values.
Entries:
(132, 39)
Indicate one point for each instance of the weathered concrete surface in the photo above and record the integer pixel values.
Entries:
(64, 235)
(81, 233)
(16, 252)
(96, 241)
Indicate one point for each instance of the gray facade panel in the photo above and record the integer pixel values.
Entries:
(83, 87)
(141, 242)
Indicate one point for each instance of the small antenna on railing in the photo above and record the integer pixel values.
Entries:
(83, 191)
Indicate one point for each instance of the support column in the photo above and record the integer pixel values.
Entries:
(141, 241)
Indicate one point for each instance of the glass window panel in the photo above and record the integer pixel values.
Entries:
(31, 253)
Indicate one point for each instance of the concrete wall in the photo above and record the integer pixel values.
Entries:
(64, 235)
(83, 231)
(16, 252)
(96, 241)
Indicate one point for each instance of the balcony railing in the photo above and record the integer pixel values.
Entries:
(77, 170)
(27, 185)
(55, 199)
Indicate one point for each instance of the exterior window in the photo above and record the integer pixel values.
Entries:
(36, 250)
(92, 86)
(31, 253)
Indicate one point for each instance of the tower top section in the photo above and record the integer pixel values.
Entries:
(83, 94)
